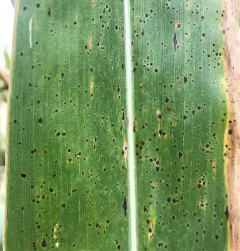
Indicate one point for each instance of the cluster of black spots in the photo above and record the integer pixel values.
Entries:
(59, 134)
(47, 78)
(161, 245)
(33, 151)
(117, 244)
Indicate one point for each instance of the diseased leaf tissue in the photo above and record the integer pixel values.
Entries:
(67, 177)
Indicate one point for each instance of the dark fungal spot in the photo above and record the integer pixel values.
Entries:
(184, 117)
(156, 70)
(230, 131)
(180, 154)
(24, 7)
(38, 5)
(50, 190)
(49, 12)
(166, 100)
(175, 41)
(125, 206)
(216, 237)
(23, 175)
(185, 79)
(15, 121)
(63, 205)
(44, 244)
(226, 212)
(75, 22)
(40, 120)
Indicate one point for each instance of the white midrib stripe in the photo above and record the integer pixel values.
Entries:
(130, 134)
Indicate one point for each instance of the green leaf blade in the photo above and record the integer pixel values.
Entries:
(67, 176)
(181, 117)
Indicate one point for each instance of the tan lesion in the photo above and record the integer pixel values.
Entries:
(151, 229)
(214, 165)
(91, 87)
(90, 43)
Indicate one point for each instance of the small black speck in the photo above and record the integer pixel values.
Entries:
(230, 131)
(185, 79)
(49, 12)
(38, 5)
(23, 175)
(226, 212)
(75, 23)
(216, 237)
(63, 205)
(180, 154)
(166, 100)
(125, 206)
(40, 120)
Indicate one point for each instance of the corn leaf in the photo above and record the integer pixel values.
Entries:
(109, 94)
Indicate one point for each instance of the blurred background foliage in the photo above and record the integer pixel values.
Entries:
(6, 30)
